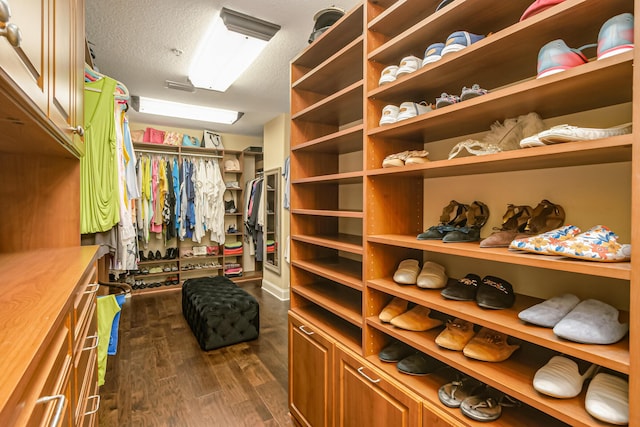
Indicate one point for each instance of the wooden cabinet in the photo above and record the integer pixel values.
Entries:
(310, 374)
(366, 397)
(341, 281)
(47, 65)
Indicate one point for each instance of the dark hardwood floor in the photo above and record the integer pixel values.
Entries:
(161, 377)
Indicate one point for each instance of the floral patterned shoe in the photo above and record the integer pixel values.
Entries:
(597, 244)
(542, 243)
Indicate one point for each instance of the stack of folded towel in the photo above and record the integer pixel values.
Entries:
(233, 248)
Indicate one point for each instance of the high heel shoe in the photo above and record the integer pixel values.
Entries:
(514, 222)
(454, 215)
(477, 216)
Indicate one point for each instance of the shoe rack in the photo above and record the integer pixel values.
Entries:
(340, 283)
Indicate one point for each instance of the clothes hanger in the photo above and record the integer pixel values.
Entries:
(90, 75)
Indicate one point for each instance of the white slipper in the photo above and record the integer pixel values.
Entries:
(607, 399)
(432, 276)
(407, 272)
(561, 378)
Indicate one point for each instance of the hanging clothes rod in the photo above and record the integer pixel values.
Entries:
(171, 153)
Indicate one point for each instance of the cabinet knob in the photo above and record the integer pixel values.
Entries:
(57, 416)
(78, 130)
(10, 31)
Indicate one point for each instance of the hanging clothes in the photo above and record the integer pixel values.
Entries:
(254, 215)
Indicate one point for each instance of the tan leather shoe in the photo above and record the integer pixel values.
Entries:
(417, 319)
(456, 335)
(432, 276)
(489, 346)
(407, 272)
(395, 307)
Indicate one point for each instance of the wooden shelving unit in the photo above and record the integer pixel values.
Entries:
(397, 203)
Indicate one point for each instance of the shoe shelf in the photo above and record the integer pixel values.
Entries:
(517, 372)
(345, 30)
(345, 332)
(613, 356)
(344, 141)
(339, 108)
(153, 275)
(506, 56)
(427, 387)
(345, 271)
(612, 76)
(233, 214)
(331, 213)
(390, 18)
(342, 301)
(474, 16)
(609, 150)
(338, 178)
(613, 270)
(337, 72)
(342, 242)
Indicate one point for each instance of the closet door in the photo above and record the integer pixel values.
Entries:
(26, 64)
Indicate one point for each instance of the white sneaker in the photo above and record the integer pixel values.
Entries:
(388, 75)
(412, 109)
(408, 65)
(389, 115)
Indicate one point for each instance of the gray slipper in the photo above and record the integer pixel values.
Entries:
(548, 313)
(592, 322)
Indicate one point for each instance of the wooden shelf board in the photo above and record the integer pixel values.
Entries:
(396, 18)
(608, 150)
(342, 107)
(233, 214)
(513, 376)
(341, 32)
(197, 257)
(248, 276)
(612, 76)
(342, 242)
(621, 270)
(427, 386)
(323, 212)
(337, 72)
(344, 271)
(614, 356)
(348, 140)
(340, 330)
(202, 270)
(152, 275)
(336, 178)
(341, 301)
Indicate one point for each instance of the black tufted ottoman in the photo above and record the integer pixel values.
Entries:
(219, 312)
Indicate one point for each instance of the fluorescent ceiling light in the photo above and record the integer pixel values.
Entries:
(229, 47)
(184, 111)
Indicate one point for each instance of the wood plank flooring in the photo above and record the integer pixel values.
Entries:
(161, 377)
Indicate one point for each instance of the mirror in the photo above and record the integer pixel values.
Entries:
(272, 220)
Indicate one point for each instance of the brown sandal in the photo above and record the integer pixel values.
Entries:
(545, 217)
(514, 222)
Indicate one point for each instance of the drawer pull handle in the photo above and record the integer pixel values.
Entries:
(95, 342)
(10, 31)
(92, 288)
(361, 372)
(57, 416)
(302, 328)
(96, 398)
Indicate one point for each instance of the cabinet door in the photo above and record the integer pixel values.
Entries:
(310, 371)
(65, 108)
(26, 65)
(365, 398)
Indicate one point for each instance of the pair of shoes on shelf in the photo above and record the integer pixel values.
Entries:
(520, 221)
(503, 136)
(598, 244)
(416, 319)
(615, 37)
(489, 292)
(409, 361)
(589, 322)
(486, 345)
(458, 223)
(406, 158)
(467, 93)
(568, 133)
(407, 110)
(408, 65)
(431, 276)
(454, 43)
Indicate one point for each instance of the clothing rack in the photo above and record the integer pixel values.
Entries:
(142, 150)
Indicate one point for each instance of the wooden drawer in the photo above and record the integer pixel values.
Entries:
(47, 393)
(89, 399)
(85, 297)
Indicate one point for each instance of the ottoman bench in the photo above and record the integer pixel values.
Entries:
(219, 312)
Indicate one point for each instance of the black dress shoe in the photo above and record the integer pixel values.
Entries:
(395, 352)
(158, 255)
(142, 257)
(418, 364)
(151, 257)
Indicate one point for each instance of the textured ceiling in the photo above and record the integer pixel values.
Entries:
(133, 43)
